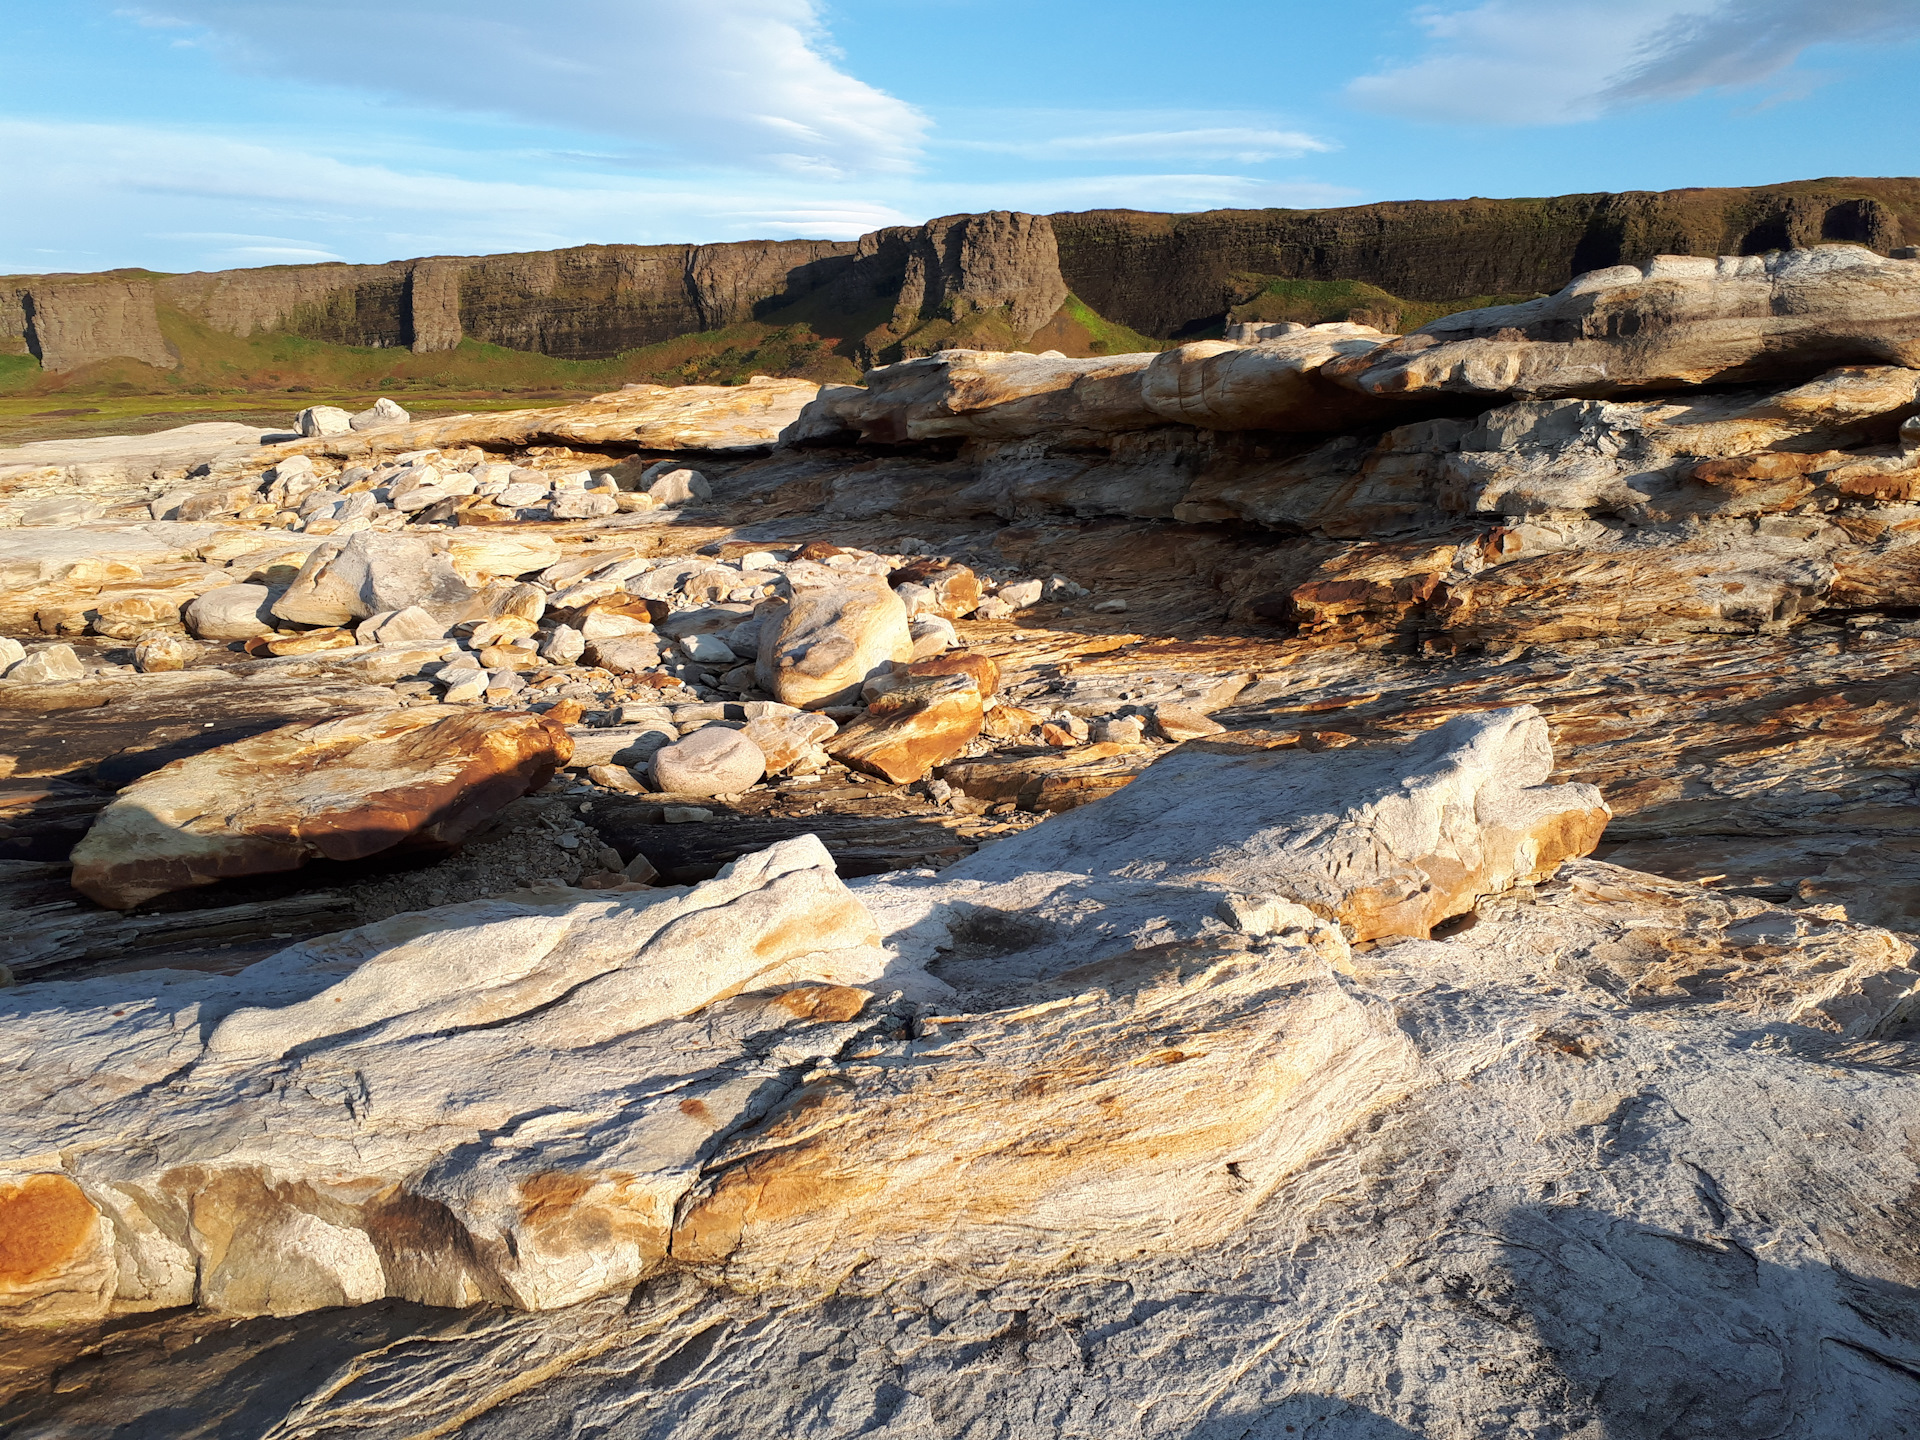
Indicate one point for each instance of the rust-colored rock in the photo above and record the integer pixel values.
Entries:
(340, 790)
(985, 673)
(911, 729)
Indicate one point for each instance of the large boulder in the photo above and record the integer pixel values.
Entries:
(339, 790)
(319, 420)
(1678, 321)
(822, 645)
(382, 412)
(372, 573)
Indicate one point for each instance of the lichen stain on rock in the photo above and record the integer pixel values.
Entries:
(45, 1222)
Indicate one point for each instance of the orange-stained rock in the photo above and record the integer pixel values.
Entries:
(985, 673)
(56, 1262)
(343, 789)
(956, 589)
(909, 730)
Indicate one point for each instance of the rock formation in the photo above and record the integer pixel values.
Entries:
(1348, 884)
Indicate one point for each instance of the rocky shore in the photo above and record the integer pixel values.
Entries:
(1335, 884)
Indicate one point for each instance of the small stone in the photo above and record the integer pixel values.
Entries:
(909, 730)
(1115, 606)
(464, 686)
(1023, 594)
(625, 656)
(583, 505)
(162, 651)
(678, 487)
(684, 815)
(711, 761)
(1059, 588)
(790, 741)
(12, 652)
(932, 635)
(564, 646)
(53, 664)
(1121, 730)
(707, 650)
(1182, 722)
(640, 870)
(411, 624)
(615, 777)
(993, 608)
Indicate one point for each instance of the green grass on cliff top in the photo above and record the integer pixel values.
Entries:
(1267, 298)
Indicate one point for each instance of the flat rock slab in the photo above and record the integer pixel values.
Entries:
(108, 731)
(343, 789)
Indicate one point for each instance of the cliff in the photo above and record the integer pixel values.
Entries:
(989, 281)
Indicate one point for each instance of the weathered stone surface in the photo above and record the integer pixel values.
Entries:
(582, 972)
(342, 789)
(791, 744)
(163, 651)
(371, 574)
(382, 412)
(906, 732)
(827, 641)
(317, 420)
(710, 761)
(48, 665)
(1677, 321)
(232, 612)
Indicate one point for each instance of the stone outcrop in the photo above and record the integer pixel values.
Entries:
(340, 790)
(1680, 321)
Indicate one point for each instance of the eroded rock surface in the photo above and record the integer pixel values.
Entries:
(1213, 1018)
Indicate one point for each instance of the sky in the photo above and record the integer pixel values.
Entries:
(183, 135)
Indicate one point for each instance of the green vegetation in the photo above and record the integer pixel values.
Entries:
(265, 379)
(1105, 337)
(1268, 299)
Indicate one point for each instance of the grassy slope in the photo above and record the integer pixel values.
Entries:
(1315, 302)
(265, 379)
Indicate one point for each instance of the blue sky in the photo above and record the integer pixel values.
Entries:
(205, 134)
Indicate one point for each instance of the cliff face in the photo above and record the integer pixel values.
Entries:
(986, 281)
(67, 322)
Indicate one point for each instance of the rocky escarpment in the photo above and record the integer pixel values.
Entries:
(987, 281)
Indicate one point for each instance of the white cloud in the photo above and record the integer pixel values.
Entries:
(1241, 144)
(1140, 192)
(183, 199)
(737, 82)
(1519, 62)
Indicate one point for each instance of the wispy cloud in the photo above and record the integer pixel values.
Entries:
(749, 83)
(177, 198)
(1518, 62)
(1242, 145)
